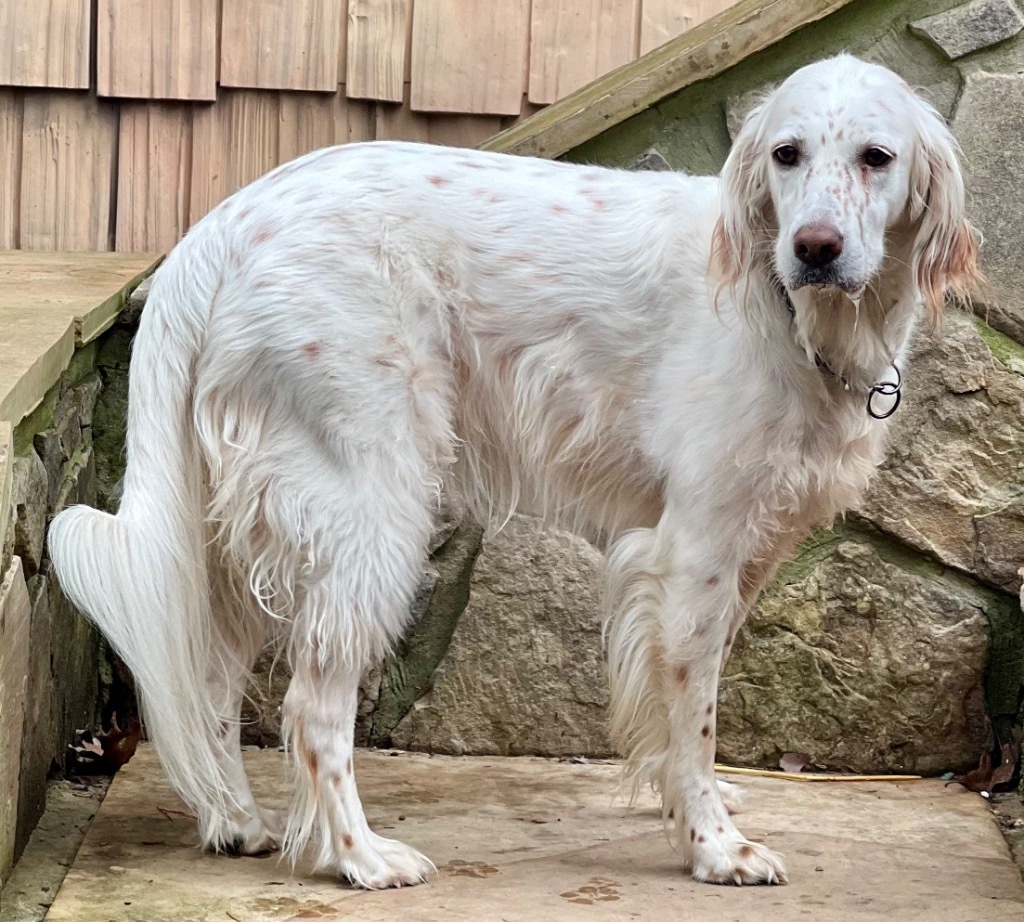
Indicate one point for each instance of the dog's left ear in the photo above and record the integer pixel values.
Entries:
(739, 234)
(945, 256)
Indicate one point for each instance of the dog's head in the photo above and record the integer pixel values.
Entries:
(841, 161)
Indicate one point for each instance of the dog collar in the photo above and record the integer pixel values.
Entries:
(880, 389)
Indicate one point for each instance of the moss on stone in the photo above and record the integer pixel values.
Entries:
(39, 420)
(409, 673)
(110, 417)
(1007, 350)
(82, 364)
(1004, 673)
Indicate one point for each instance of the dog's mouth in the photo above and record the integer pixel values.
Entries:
(826, 278)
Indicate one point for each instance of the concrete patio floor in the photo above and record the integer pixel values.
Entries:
(530, 839)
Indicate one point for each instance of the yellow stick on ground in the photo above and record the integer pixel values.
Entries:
(809, 776)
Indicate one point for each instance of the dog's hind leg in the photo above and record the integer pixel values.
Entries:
(239, 636)
(372, 537)
(320, 710)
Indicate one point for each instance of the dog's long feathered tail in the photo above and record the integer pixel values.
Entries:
(141, 575)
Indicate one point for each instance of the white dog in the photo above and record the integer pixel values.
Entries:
(694, 369)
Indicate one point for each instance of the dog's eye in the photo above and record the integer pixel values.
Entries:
(876, 158)
(786, 154)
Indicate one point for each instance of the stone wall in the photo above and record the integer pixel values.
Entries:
(58, 452)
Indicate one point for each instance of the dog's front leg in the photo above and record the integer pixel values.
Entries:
(701, 615)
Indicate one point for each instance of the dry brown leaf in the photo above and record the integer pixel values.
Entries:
(986, 778)
(120, 745)
(979, 779)
(1004, 773)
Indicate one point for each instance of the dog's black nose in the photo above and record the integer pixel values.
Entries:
(817, 245)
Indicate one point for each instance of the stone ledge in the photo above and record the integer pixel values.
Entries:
(49, 304)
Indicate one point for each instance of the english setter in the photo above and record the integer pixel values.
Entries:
(696, 370)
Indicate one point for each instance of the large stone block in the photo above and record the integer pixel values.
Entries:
(47, 446)
(952, 484)
(989, 124)
(864, 657)
(30, 502)
(524, 671)
(14, 656)
(391, 691)
(40, 744)
(971, 27)
(74, 667)
(83, 396)
(78, 481)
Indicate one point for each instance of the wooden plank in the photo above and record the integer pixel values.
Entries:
(699, 54)
(663, 20)
(378, 33)
(45, 43)
(69, 142)
(154, 166)
(286, 46)
(15, 615)
(574, 41)
(11, 109)
(157, 50)
(468, 55)
(248, 133)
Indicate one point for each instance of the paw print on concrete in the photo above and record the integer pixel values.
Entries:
(459, 868)
(595, 890)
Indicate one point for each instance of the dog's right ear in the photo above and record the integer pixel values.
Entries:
(742, 226)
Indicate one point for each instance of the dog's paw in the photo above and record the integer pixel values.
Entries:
(379, 863)
(252, 836)
(733, 796)
(739, 862)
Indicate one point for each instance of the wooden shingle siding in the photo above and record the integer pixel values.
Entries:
(157, 50)
(575, 41)
(67, 172)
(308, 122)
(378, 33)
(284, 46)
(469, 55)
(11, 108)
(400, 123)
(662, 20)
(45, 43)
(154, 173)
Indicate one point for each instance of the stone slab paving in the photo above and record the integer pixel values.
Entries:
(49, 303)
(528, 839)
